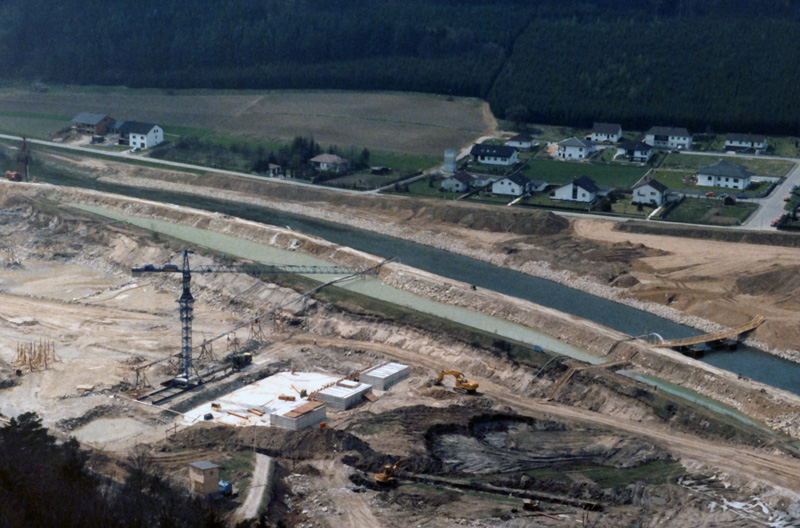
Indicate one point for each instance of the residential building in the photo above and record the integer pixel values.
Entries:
(606, 132)
(745, 141)
(724, 174)
(668, 138)
(459, 182)
(581, 189)
(521, 142)
(635, 151)
(574, 148)
(513, 185)
(93, 124)
(494, 154)
(142, 135)
(330, 163)
(649, 191)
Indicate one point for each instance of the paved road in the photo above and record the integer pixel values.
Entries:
(128, 156)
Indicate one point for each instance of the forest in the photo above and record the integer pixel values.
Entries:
(708, 65)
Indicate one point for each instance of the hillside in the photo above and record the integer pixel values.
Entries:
(704, 65)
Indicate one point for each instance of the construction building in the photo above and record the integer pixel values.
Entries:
(204, 477)
(307, 415)
(344, 394)
(385, 376)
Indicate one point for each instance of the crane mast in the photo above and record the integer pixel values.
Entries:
(186, 370)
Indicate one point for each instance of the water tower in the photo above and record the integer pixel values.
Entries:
(450, 160)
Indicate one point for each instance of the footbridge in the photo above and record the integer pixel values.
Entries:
(730, 334)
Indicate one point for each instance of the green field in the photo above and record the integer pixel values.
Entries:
(711, 212)
(28, 124)
(560, 172)
(760, 167)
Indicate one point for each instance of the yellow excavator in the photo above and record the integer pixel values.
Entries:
(386, 476)
(462, 384)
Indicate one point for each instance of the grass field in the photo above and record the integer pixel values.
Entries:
(710, 211)
(30, 124)
(557, 172)
(380, 121)
(760, 167)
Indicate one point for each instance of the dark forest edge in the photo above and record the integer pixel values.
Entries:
(721, 65)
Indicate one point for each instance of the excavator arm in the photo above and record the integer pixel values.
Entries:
(461, 382)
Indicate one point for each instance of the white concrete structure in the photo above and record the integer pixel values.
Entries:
(668, 138)
(636, 151)
(606, 132)
(494, 154)
(344, 395)
(745, 141)
(724, 174)
(309, 414)
(581, 189)
(385, 376)
(574, 148)
(650, 192)
(143, 135)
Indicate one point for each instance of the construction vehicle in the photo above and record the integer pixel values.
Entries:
(462, 384)
(386, 476)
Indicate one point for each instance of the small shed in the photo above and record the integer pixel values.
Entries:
(729, 199)
(385, 376)
(204, 477)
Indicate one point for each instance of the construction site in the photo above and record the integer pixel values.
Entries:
(330, 387)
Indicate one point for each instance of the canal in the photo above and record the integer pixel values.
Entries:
(745, 361)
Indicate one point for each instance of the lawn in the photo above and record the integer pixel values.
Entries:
(761, 167)
(561, 172)
(784, 146)
(710, 211)
(625, 207)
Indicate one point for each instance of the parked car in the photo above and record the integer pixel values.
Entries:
(710, 194)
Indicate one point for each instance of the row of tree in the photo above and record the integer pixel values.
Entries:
(704, 64)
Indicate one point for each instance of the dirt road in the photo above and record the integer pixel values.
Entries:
(255, 493)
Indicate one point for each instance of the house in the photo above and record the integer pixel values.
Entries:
(610, 132)
(521, 142)
(513, 185)
(494, 154)
(574, 148)
(459, 182)
(649, 191)
(724, 174)
(668, 138)
(274, 170)
(485, 180)
(142, 135)
(582, 189)
(636, 151)
(93, 124)
(745, 141)
(330, 163)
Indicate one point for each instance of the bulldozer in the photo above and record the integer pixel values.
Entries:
(386, 476)
(462, 384)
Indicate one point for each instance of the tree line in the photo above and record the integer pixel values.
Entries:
(721, 65)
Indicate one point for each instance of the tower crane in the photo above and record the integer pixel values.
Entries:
(186, 300)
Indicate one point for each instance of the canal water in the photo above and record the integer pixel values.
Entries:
(745, 361)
